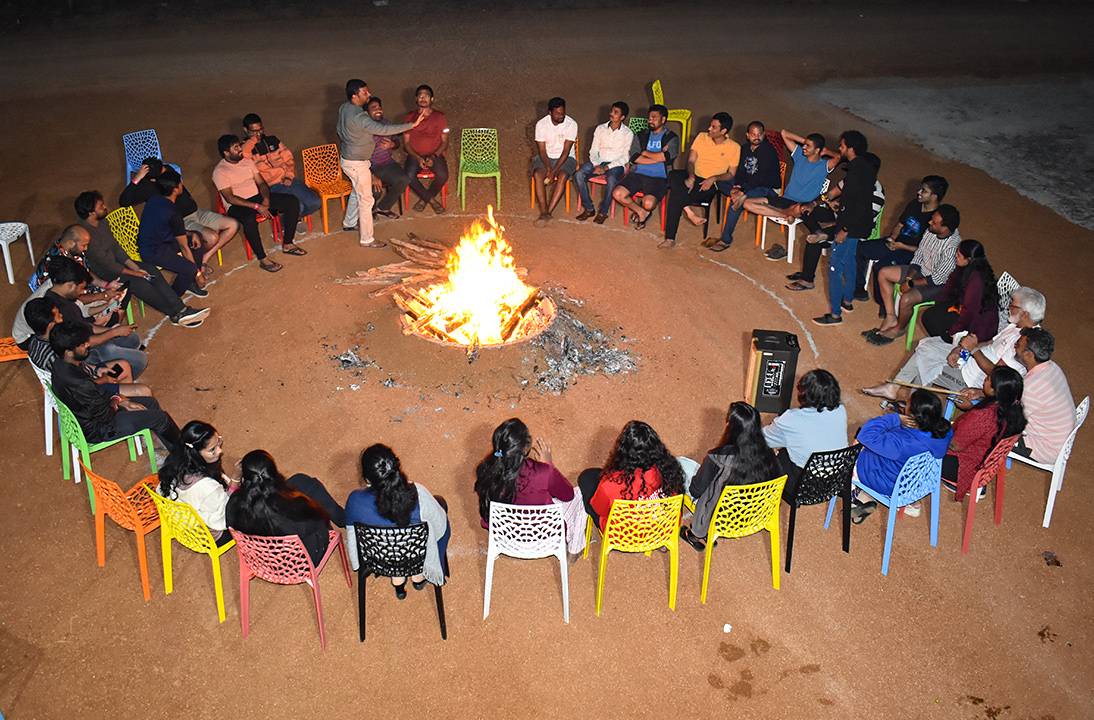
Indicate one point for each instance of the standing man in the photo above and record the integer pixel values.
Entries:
(357, 131)
(276, 164)
(757, 176)
(425, 147)
(713, 158)
(608, 157)
(555, 159)
(388, 177)
(162, 238)
(653, 152)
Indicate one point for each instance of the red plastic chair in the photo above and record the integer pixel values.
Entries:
(284, 561)
(427, 174)
(635, 197)
(601, 180)
(993, 467)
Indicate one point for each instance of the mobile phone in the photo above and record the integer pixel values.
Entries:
(115, 372)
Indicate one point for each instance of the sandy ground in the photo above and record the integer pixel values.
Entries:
(995, 634)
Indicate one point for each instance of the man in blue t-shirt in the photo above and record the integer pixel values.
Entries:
(162, 239)
(812, 163)
(653, 152)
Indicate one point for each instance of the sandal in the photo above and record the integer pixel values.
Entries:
(387, 213)
(271, 267)
(295, 250)
(719, 246)
(374, 245)
(878, 339)
(667, 243)
(208, 270)
(860, 512)
(689, 537)
(800, 286)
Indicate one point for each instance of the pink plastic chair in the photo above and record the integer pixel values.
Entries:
(285, 561)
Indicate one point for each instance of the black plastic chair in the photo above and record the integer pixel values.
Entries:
(825, 475)
(393, 552)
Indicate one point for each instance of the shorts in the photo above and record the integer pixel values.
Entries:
(652, 186)
(569, 166)
(199, 219)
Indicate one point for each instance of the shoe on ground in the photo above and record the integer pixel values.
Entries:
(585, 215)
(420, 205)
(847, 307)
(198, 292)
(862, 295)
(827, 319)
(600, 218)
(795, 276)
(190, 317)
(346, 228)
(800, 286)
(438, 208)
(913, 510)
(777, 252)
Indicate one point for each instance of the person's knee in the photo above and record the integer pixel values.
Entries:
(620, 193)
(649, 202)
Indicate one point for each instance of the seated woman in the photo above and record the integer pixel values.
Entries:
(819, 424)
(969, 301)
(998, 415)
(269, 505)
(389, 499)
(192, 474)
(639, 468)
(509, 475)
(889, 440)
(742, 457)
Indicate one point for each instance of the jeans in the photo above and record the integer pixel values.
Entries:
(308, 198)
(680, 197)
(395, 181)
(879, 252)
(280, 204)
(440, 177)
(359, 206)
(732, 214)
(127, 422)
(841, 274)
(125, 348)
(185, 271)
(581, 181)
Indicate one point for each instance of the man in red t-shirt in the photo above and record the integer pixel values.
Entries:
(425, 146)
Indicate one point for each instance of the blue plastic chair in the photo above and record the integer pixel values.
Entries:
(141, 144)
(920, 476)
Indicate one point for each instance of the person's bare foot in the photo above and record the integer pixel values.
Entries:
(884, 390)
(887, 325)
(693, 217)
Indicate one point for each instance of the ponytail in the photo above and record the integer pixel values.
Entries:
(496, 475)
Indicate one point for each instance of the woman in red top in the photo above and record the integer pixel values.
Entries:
(969, 301)
(999, 415)
(640, 467)
(509, 475)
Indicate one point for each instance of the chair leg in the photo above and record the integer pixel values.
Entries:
(706, 568)
(7, 262)
(165, 556)
(147, 434)
(588, 536)
(600, 576)
(790, 536)
(345, 563)
(132, 447)
(846, 500)
(936, 502)
(326, 223)
(218, 587)
(890, 529)
(361, 577)
(318, 609)
(439, 596)
(490, 558)
(1053, 488)
(76, 471)
(142, 560)
(674, 572)
(100, 539)
(564, 571)
(244, 599)
(47, 417)
(966, 540)
(828, 515)
(774, 533)
(1000, 489)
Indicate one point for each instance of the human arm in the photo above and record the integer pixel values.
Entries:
(971, 427)
(362, 121)
(567, 146)
(693, 156)
(969, 304)
(557, 484)
(776, 433)
(791, 140)
(884, 436)
(212, 503)
(136, 191)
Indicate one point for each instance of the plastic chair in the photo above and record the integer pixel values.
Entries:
(640, 526)
(275, 226)
(132, 509)
(181, 522)
(49, 407)
(393, 552)
(761, 220)
(920, 476)
(284, 561)
(139, 145)
(73, 442)
(638, 124)
(479, 159)
(527, 532)
(993, 467)
(323, 174)
(10, 351)
(427, 174)
(1057, 468)
(124, 226)
(744, 510)
(1005, 284)
(532, 179)
(826, 475)
(910, 336)
(11, 232)
(679, 115)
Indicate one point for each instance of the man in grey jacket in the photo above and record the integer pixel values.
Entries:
(357, 131)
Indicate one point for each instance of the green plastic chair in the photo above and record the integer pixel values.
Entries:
(679, 115)
(479, 159)
(638, 124)
(72, 439)
(915, 316)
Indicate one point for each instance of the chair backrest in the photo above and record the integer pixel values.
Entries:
(71, 432)
(775, 139)
(391, 551)
(124, 224)
(643, 525)
(920, 474)
(1080, 418)
(826, 474)
(746, 509)
(1005, 284)
(876, 234)
(139, 144)
(321, 164)
(638, 124)
(657, 92)
(282, 559)
(131, 512)
(994, 461)
(9, 350)
(479, 146)
(527, 531)
(182, 522)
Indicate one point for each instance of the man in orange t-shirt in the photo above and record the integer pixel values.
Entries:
(425, 146)
(276, 164)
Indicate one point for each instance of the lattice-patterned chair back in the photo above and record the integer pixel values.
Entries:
(643, 525)
(392, 551)
(139, 145)
(322, 167)
(657, 92)
(1005, 284)
(920, 474)
(181, 522)
(826, 474)
(132, 510)
(283, 560)
(775, 139)
(479, 150)
(995, 461)
(638, 124)
(71, 432)
(526, 531)
(746, 509)
(125, 224)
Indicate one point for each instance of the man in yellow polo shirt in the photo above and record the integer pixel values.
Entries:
(713, 157)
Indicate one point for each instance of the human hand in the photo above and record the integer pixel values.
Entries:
(890, 245)
(599, 170)
(967, 397)
(123, 330)
(263, 210)
(422, 115)
(690, 182)
(706, 184)
(125, 403)
(195, 240)
(840, 236)
(543, 450)
(377, 184)
(141, 172)
(969, 342)
(952, 357)
(427, 162)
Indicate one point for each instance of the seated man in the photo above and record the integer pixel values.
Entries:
(101, 296)
(922, 279)
(757, 176)
(712, 159)
(101, 416)
(276, 164)
(425, 146)
(555, 159)
(247, 196)
(162, 239)
(653, 151)
(608, 157)
(215, 229)
(388, 177)
(107, 260)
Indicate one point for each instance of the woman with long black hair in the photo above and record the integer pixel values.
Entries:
(192, 474)
(969, 302)
(510, 475)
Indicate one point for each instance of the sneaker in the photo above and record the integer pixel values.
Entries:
(913, 510)
(777, 252)
(438, 208)
(600, 218)
(828, 319)
(847, 307)
(585, 215)
(198, 292)
(190, 317)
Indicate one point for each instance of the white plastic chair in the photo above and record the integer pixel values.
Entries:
(48, 406)
(1005, 284)
(527, 532)
(11, 232)
(1057, 468)
(791, 226)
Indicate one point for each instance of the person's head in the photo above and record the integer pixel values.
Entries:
(656, 117)
(755, 133)
(71, 341)
(154, 165)
(266, 497)
(69, 277)
(169, 183)
(819, 389)
(423, 95)
(230, 148)
(496, 474)
(198, 455)
(944, 221)
(970, 251)
(74, 240)
(639, 447)
(1027, 307)
(925, 409)
(720, 125)
(744, 436)
(1035, 346)
(375, 107)
(90, 204)
(382, 472)
(932, 189)
(619, 112)
(556, 109)
(852, 143)
(252, 125)
(1004, 386)
(41, 315)
(813, 146)
(357, 91)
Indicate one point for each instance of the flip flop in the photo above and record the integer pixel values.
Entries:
(667, 243)
(295, 251)
(719, 247)
(374, 245)
(271, 268)
(387, 213)
(860, 512)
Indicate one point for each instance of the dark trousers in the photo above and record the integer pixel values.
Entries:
(155, 293)
(127, 422)
(810, 259)
(589, 481)
(937, 321)
(792, 471)
(395, 181)
(184, 270)
(820, 217)
(680, 197)
(879, 252)
(440, 177)
(287, 206)
(734, 214)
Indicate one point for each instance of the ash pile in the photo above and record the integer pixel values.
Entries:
(569, 348)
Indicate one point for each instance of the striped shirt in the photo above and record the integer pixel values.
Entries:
(937, 257)
(1050, 411)
(41, 354)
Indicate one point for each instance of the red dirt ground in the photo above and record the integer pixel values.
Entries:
(995, 634)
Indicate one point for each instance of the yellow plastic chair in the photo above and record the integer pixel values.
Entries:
(124, 225)
(680, 115)
(745, 510)
(181, 522)
(640, 526)
(532, 183)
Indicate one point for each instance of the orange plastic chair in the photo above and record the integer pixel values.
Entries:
(323, 174)
(994, 467)
(10, 351)
(275, 226)
(132, 509)
(532, 179)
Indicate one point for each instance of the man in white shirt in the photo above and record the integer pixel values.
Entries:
(608, 157)
(555, 159)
